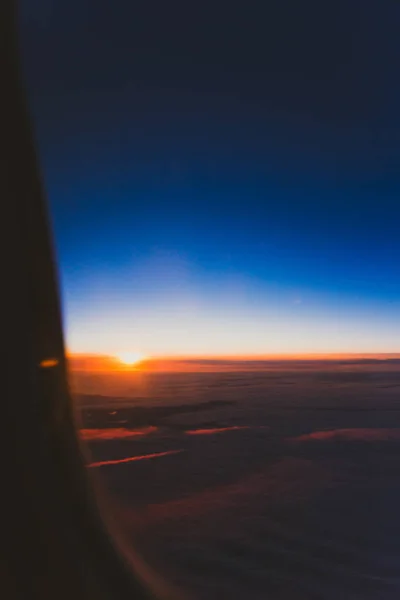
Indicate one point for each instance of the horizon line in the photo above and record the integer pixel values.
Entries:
(242, 357)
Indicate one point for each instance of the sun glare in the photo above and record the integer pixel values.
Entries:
(130, 358)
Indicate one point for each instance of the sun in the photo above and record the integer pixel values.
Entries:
(130, 358)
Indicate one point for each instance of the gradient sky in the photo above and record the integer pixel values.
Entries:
(223, 178)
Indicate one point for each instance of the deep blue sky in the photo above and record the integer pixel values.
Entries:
(223, 178)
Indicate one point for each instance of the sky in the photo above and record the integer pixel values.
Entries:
(223, 178)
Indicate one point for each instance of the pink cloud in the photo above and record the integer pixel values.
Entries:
(288, 481)
(115, 433)
(104, 463)
(211, 431)
(363, 435)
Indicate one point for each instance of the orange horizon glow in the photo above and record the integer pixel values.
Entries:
(132, 358)
(105, 375)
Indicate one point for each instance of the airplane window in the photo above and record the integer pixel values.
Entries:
(223, 186)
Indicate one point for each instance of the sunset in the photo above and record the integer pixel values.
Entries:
(222, 184)
(130, 358)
